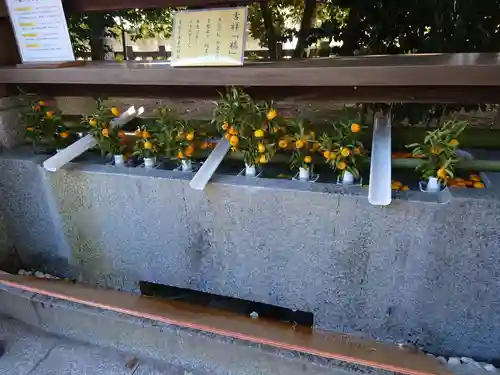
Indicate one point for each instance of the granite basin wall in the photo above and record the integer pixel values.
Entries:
(426, 273)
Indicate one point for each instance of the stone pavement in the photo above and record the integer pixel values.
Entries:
(32, 352)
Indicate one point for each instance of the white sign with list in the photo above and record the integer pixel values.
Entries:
(41, 30)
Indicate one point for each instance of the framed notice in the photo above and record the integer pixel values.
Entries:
(41, 30)
(213, 37)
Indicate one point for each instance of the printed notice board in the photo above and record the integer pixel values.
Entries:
(209, 37)
(41, 30)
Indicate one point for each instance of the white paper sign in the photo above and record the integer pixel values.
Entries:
(41, 30)
(206, 37)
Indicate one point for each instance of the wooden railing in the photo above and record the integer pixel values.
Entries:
(444, 78)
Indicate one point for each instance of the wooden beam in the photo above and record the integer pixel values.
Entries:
(3, 9)
(368, 71)
(383, 94)
(284, 336)
(80, 6)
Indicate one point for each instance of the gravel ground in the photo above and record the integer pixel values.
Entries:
(467, 366)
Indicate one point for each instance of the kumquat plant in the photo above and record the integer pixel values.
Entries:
(438, 151)
(251, 128)
(302, 143)
(43, 125)
(342, 148)
(111, 140)
(147, 145)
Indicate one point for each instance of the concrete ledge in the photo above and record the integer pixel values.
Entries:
(91, 163)
(177, 346)
(18, 304)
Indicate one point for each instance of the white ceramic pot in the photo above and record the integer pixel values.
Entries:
(348, 178)
(149, 162)
(186, 165)
(250, 170)
(119, 159)
(433, 185)
(304, 174)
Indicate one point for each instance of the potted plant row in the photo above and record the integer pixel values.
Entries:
(256, 130)
(253, 128)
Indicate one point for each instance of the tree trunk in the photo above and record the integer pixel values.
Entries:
(267, 16)
(305, 28)
(350, 35)
(124, 42)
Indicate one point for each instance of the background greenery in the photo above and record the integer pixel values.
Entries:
(357, 27)
(363, 26)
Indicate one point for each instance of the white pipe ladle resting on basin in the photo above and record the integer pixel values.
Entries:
(379, 190)
(79, 147)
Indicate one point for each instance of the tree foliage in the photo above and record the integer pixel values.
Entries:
(284, 13)
(363, 27)
(148, 23)
(415, 26)
(87, 26)
(358, 27)
(383, 26)
(289, 19)
(87, 30)
(418, 26)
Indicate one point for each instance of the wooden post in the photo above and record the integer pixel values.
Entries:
(3, 9)
(9, 54)
(10, 133)
(124, 42)
(162, 52)
(130, 53)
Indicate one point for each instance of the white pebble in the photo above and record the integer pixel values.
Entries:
(22, 272)
(431, 355)
(471, 362)
(442, 360)
(490, 368)
(468, 360)
(453, 361)
(39, 274)
(254, 315)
